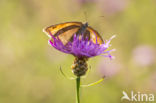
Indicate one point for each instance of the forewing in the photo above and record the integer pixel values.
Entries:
(63, 31)
(66, 36)
(58, 28)
(94, 35)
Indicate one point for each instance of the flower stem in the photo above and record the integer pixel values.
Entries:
(78, 89)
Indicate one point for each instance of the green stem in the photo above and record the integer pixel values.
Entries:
(78, 90)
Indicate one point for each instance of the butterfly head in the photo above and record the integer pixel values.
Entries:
(86, 24)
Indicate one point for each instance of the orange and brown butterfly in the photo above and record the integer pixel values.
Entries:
(66, 31)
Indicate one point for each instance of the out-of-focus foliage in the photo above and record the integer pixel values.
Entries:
(29, 67)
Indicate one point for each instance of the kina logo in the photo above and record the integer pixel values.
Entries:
(138, 96)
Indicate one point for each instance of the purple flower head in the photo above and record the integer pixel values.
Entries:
(144, 55)
(82, 47)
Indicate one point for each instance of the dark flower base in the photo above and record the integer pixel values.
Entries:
(80, 67)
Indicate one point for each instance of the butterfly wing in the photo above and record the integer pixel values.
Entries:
(94, 35)
(64, 30)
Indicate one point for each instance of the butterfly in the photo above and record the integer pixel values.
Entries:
(65, 32)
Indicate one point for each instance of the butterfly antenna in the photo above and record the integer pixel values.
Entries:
(102, 18)
(85, 15)
(71, 78)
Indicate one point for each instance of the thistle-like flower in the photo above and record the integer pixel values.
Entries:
(80, 40)
(82, 48)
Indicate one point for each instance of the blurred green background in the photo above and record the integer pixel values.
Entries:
(29, 67)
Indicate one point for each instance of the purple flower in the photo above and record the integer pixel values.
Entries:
(82, 47)
(112, 7)
(144, 55)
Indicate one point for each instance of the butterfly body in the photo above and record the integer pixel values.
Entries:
(82, 29)
(66, 31)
